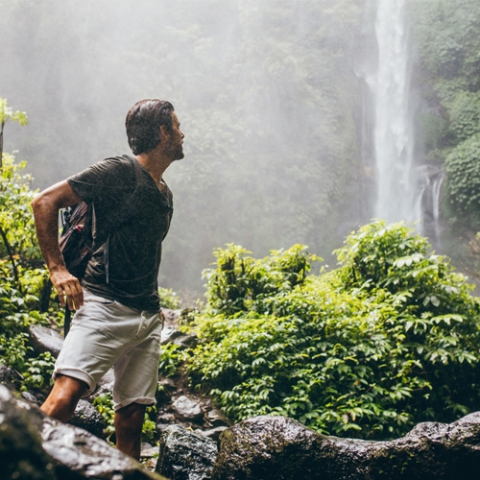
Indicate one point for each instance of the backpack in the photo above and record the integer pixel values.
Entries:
(76, 241)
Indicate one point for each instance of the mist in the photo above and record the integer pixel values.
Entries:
(270, 95)
(256, 87)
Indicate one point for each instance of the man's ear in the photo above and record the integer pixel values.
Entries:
(163, 133)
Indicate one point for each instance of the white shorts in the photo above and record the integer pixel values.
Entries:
(105, 333)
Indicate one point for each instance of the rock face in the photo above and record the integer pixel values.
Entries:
(8, 376)
(21, 454)
(187, 409)
(185, 455)
(35, 447)
(78, 454)
(44, 339)
(86, 416)
(279, 448)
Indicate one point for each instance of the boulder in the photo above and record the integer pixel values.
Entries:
(171, 316)
(29, 397)
(36, 447)
(280, 448)
(8, 376)
(80, 455)
(185, 455)
(184, 340)
(21, 454)
(217, 418)
(44, 339)
(86, 416)
(213, 433)
(187, 409)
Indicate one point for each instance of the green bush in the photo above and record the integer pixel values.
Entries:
(23, 277)
(168, 298)
(387, 340)
(465, 116)
(241, 283)
(463, 176)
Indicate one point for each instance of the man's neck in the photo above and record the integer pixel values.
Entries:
(155, 163)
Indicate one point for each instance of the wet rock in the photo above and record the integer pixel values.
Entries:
(21, 454)
(171, 316)
(213, 433)
(147, 451)
(8, 376)
(104, 385)
(30, 397)
(166, 389)
(44, 339)
(86, 416)
(185, 455)
(36, 447)
(187, 409)
(282, 449)
(164, 420)
(217, 418)
(170, 335)
(78, 454)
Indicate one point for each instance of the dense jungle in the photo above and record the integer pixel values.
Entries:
(355, 327)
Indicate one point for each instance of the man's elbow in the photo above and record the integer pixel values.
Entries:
(43, 202)
(36, 203)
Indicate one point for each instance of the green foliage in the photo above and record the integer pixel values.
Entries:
(240, 283)
(104, 405)
(465, 116)
(168, 298)
(444, 34)
(38, 371)
(387, 340)
(149, 428)
(463, 170)
(6, 113)
(23, 278)
(20, 259)
(171, 358)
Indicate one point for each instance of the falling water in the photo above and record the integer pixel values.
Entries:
(429, 184)
(393, 135)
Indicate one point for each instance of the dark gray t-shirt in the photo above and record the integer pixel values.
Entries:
(134, 242)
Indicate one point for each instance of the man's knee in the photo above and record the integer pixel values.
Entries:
(63, 398)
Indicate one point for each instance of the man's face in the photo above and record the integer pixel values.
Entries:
(174, 147)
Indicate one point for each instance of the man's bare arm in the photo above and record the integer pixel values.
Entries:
(45, 209)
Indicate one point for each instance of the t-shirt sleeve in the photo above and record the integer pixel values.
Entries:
(102, 180)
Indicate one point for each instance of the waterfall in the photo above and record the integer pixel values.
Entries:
(392, 117)
(429, 184)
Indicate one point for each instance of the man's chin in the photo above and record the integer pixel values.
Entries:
(179, 155)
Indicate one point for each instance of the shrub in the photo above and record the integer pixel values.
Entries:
(168, 298)
(23, 277)
(463, 176)
(465, 116)
(387, 340)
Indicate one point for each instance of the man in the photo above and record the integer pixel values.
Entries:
(118, 320)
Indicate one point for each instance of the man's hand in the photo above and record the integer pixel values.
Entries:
(68, 287)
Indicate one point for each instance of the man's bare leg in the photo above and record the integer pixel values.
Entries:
(63, 398)
(128, 428)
